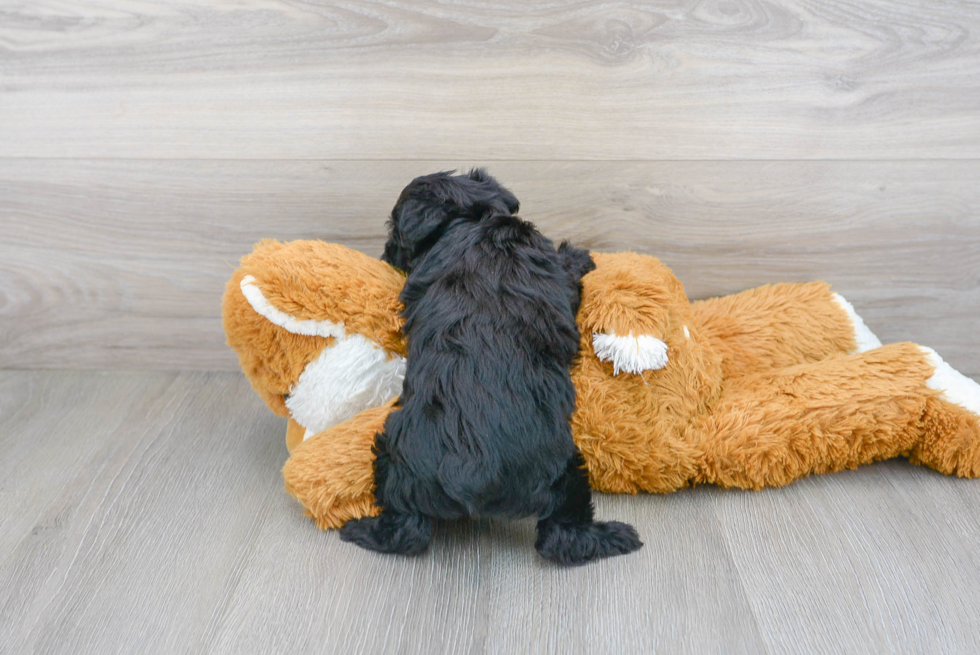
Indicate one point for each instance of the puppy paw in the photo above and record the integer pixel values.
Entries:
(574, 545)
(630, 354)
(401, 534)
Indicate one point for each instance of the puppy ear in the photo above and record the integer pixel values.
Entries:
(487, 195)
(416, 223)
(395, 248)
(479, 175)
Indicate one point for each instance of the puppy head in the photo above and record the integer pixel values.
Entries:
(429, 203)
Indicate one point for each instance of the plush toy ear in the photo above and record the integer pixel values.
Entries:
(273, 347)
(306, 327)
(313, 289)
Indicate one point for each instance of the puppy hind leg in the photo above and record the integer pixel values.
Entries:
(569, 535)
(390, 532)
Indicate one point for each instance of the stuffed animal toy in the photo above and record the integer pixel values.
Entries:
(751, 390)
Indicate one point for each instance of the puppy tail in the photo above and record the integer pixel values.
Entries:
(576, 262)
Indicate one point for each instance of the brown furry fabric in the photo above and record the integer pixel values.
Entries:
(307, 280)
(774, 326)
(759, 389)
(331, 473)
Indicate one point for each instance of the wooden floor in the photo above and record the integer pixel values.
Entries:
(144, 512)
(145, 146)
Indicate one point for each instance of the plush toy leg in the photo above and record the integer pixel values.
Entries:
(781, 325)
(569, 535)
(772, 428)
(332, 473)
(951, 424)
(295, 434)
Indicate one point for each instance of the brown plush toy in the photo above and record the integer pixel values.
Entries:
(751, 390)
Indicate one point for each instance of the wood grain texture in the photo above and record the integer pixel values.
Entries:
(876, 539)
(482, 588)
(121, 264)
(169, 531)
(596, 79)
(140, 539)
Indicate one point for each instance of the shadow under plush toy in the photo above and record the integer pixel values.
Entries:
(751, 390)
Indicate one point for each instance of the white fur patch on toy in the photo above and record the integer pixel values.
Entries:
(348, 377)
(865, 338)
(630, 354)
(306, 327)
(955, 387)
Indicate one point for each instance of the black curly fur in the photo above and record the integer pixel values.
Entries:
(482, 424)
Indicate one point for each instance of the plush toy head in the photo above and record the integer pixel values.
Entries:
(317, 330)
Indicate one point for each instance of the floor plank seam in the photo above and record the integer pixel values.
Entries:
(741, 578)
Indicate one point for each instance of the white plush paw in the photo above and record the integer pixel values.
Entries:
(955, 387)
(350, 375)
(347, 377)
(865, 338)
(630, 354)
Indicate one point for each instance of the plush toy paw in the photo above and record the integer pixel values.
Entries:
(953, 385)
(864, 338)
(951, 423)
(577, 544)
(630, 354)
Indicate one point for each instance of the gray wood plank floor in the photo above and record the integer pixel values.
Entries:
(144, 512)
(144, 146)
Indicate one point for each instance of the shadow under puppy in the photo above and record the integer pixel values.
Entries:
(482, 424)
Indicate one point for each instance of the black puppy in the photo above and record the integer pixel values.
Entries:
(482, 424)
